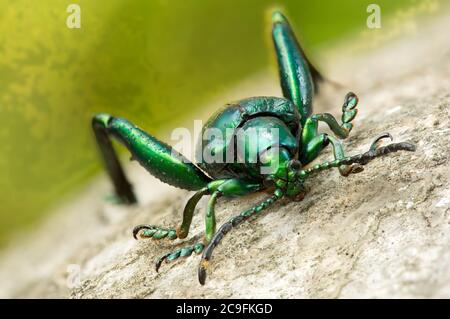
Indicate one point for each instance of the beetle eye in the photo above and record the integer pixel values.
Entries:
(294, 164)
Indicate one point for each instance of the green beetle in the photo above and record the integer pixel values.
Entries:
(290, 142)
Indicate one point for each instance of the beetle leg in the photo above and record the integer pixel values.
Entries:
(155, 156)
(210, 225)
(349, 111)
(210, 217)
(217, 188)
(342, 130)
(156, 232)
(338, 151)
(123, 188)
(182, 252)
(225, 228)
(377, 140)
(364, 158)
(188, 213)
(298, 76)
(313, 147)
(311, 142)
(230, 187)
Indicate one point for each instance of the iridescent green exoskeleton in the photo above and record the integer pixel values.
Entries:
(296, 144)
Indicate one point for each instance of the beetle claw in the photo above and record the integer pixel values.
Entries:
(159, 261)
(202, 274)
(375, 143)
(138, 228)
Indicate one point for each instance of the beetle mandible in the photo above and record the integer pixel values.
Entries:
(297, 144)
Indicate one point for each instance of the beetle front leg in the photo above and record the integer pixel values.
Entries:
(182, 252)
(298, 77)
(349, 111)
(312, 142)
(338, 151)
(210, 229)
(364, 158)
(217, 237)
(123, 188)
(226, 227)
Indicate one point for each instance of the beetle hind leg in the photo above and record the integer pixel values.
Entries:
(364, 158)
(181, 252)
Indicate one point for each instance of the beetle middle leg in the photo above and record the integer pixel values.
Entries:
(218, 188)
(363, 158)
(230, 224)
(157, 232)
(158, 158)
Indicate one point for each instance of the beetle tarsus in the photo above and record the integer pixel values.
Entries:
(181, 252)
(298, 143)
(155, 232)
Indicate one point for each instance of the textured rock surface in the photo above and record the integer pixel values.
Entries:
(382, 233)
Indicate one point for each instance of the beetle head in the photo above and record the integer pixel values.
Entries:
(295, 188)
(287, 177)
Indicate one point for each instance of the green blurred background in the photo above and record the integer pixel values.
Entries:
(151, 61)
